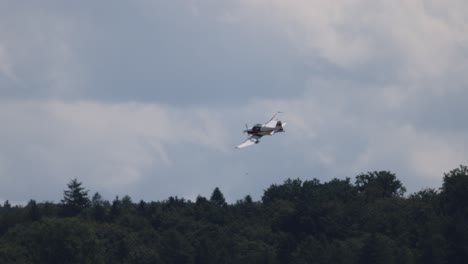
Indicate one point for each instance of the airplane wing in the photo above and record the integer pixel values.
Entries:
(252, 140)
(272, 123)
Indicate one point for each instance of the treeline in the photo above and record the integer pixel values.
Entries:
(369, 220)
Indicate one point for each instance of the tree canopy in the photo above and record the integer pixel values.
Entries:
(297, 221)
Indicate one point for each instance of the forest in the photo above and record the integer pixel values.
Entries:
(368, 219)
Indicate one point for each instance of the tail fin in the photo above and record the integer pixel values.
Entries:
(279, 126)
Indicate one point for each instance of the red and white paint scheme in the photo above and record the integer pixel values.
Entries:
(259, 130)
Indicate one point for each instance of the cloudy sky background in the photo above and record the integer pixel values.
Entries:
(149, 98)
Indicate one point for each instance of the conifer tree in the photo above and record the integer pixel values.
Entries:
(217, 197)
(75, 199)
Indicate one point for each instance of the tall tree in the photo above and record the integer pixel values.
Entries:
(379, 184)
(33, 212)
(98, 210)
(290, 190)
(7, 205)
(454, 198)
(217, 197)
(454, 191)
(75, 198)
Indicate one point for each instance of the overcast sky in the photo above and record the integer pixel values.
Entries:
(148, 98)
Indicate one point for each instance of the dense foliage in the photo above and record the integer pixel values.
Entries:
(368, 221)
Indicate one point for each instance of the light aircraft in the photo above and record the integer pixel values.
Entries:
(259, 130)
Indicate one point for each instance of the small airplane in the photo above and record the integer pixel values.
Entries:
(259, 130)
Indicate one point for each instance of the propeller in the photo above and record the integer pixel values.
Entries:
(246, 128)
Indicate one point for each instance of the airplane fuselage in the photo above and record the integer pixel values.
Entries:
(262, 130)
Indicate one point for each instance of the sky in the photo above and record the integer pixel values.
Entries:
(149, 98)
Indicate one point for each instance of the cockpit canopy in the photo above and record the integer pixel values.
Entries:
(257, 127)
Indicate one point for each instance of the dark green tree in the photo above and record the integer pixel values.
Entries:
(142, 208)
(377, 249)
(127, 204)
(298, 221)
(290, 190)
(98, 209)
(248, 199)
(51, 240)
(454, 198)
(379, 184)
(34, 213)
(50, 209)
(6, 205)
(454, 191)
(175, 248)
(116, 208)
(217, 198)
(75, 199)
(311, 250)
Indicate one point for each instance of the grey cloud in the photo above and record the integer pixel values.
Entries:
(123, 52)
(148, 98)
(109, 146)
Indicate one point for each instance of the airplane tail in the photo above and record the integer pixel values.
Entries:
(279, 126)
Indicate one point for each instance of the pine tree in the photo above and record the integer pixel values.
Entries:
(75, 199)
(7, 205)
(217, 198)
